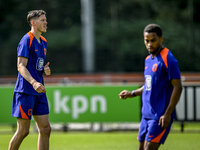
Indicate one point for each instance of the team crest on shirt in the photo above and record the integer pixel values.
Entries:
(148, 82)
(154, 68)
(45, 51)
(40, 64)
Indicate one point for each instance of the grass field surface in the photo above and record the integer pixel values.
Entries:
(103, 141)
(188, 140)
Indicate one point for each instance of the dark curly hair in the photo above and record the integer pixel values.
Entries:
(153, 28)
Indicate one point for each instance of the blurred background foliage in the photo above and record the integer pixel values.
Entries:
(119, 25)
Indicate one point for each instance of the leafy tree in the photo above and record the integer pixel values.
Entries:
(119, 28)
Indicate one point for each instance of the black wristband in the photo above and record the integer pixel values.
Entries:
(133, 93)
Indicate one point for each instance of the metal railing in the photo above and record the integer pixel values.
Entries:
(188, 108)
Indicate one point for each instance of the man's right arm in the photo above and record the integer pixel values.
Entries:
(21, 66)
(128, 94)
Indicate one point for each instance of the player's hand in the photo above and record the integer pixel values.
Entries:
(47, 70)
(39, 87)
(125, 94)
(164, 121)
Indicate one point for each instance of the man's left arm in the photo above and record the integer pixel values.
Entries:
(47, 69)
(176, 93)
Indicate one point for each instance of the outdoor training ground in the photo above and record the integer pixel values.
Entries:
(112, 137)
(118, 140)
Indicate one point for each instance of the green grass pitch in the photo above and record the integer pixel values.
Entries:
(103, 141)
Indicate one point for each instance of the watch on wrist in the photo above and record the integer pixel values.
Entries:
(133, 93)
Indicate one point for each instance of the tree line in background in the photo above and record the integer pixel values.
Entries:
(119, 25)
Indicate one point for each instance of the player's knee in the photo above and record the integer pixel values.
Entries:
(45, 130)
